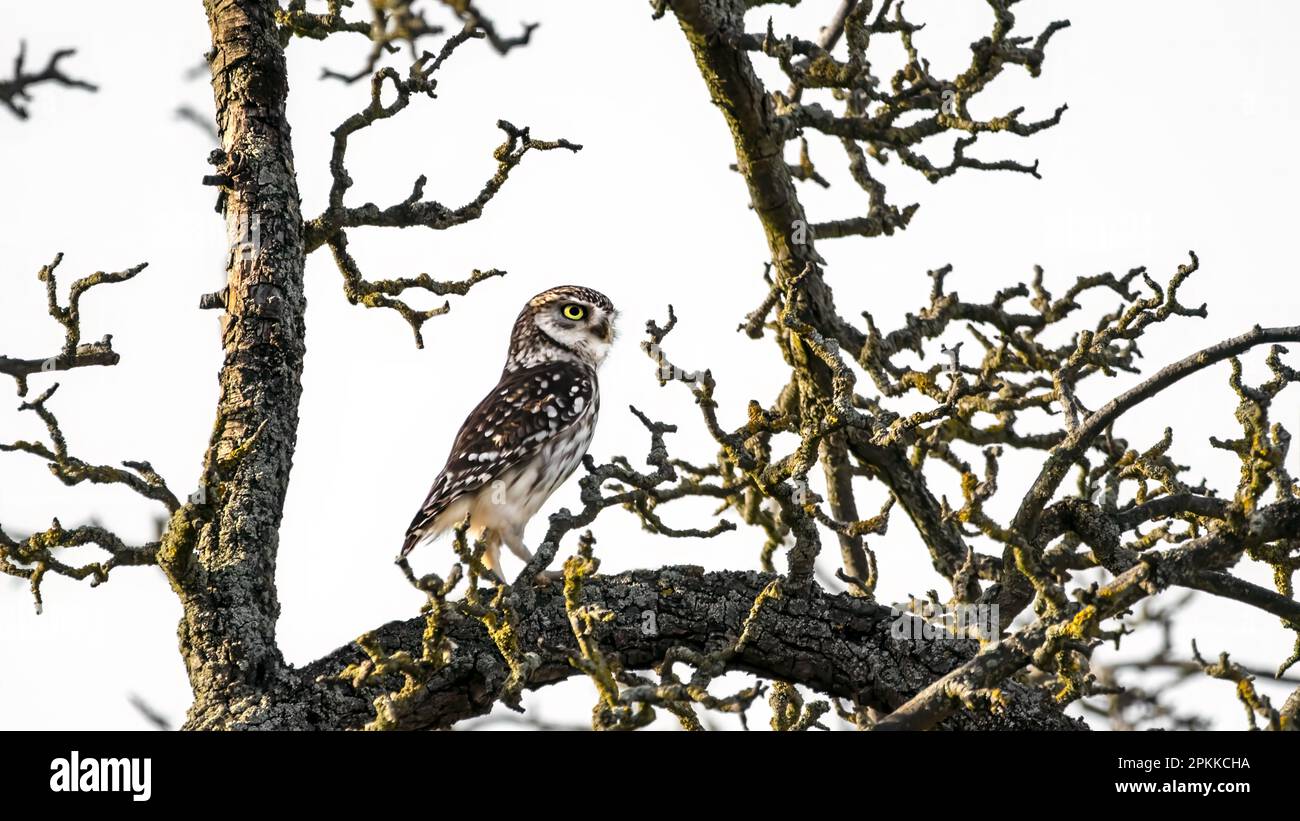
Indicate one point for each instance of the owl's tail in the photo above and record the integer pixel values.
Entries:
(413, 538)
(425, 526)
(427, 523)
(422, 529)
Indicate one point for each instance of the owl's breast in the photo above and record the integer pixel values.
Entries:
(522, 490)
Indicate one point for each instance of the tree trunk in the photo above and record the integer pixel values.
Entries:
(227, 634)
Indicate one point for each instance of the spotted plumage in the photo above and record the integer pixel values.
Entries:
(531, 431)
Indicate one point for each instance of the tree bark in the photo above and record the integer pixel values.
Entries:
(227, 583)
(836, 644)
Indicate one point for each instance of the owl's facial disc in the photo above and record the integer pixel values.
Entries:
(580, 325)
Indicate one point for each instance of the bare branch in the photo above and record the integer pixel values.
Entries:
(75, 353)
(330, 227)
(15, 91)
(1061, 631)
(473, 18)
(384, 293)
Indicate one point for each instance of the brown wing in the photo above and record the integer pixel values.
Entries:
(526, 409)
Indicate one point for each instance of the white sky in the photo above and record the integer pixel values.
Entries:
(1179, 135)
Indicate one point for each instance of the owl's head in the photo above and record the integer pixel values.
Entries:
(568, 322)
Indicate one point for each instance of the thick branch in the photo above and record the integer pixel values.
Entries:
(838, 645)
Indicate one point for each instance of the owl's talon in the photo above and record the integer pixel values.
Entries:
(547, 577)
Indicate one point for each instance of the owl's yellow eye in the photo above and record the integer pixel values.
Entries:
(574, 312)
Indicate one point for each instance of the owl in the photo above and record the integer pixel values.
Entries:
(530, 432)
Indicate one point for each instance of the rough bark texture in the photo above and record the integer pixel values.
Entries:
(227, 585)
(838, 645)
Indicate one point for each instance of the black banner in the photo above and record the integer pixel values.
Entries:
(135, 772)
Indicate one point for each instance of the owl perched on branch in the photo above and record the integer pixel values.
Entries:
(530, 432)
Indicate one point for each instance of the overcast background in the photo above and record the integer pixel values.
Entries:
(1180, 135)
